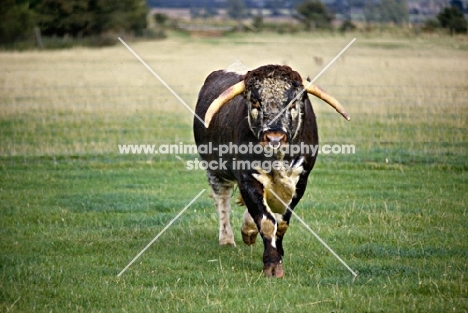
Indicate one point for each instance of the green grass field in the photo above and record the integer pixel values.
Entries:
(74, 212)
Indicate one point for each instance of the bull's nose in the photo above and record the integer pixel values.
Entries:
(274, 139)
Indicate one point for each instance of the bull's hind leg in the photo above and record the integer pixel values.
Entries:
(249, 229)
(222, 190)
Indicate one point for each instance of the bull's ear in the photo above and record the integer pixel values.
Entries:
(227, 95)
(325, 96)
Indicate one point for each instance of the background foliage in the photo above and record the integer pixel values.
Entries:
(97, 22)
(453, 19)
(387, 11)
(16, 20)
(89, 17)
(76, 18)
(314, 14)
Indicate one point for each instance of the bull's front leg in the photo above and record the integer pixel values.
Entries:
(253, 195)
(283, 221)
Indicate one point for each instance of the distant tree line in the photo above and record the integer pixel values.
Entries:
(387, 11)
(87, 18)
(314, 14)
(255, 4)
(453, 19)
(77, 18)
(16, 19)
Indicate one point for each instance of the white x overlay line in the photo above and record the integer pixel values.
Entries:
(201, 120)
(161, 232)
(161, 80)
(313, 80)
(313, 233)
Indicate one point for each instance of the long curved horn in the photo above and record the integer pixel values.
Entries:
(322, 94)
(227, 95)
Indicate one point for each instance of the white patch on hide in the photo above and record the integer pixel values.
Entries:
(248, 226)
(282, 182)
(254, 113)
(226, 236)
(268, 229)
(293, 113)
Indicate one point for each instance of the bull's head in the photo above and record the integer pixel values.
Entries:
(276, 99)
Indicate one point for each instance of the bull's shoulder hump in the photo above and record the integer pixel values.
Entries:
(218, 81)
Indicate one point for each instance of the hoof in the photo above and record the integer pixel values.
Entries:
(274, 270)
(249, 238)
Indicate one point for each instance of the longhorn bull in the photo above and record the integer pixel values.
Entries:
(265, 108)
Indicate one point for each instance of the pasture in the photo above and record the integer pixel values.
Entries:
(74, 211)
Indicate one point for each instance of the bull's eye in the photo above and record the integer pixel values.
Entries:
(293, 113)
(255, 104)
(254, 113)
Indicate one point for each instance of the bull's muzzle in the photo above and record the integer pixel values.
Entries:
(274, 139)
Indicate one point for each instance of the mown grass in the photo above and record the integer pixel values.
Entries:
(74, 212)
(70, 225)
